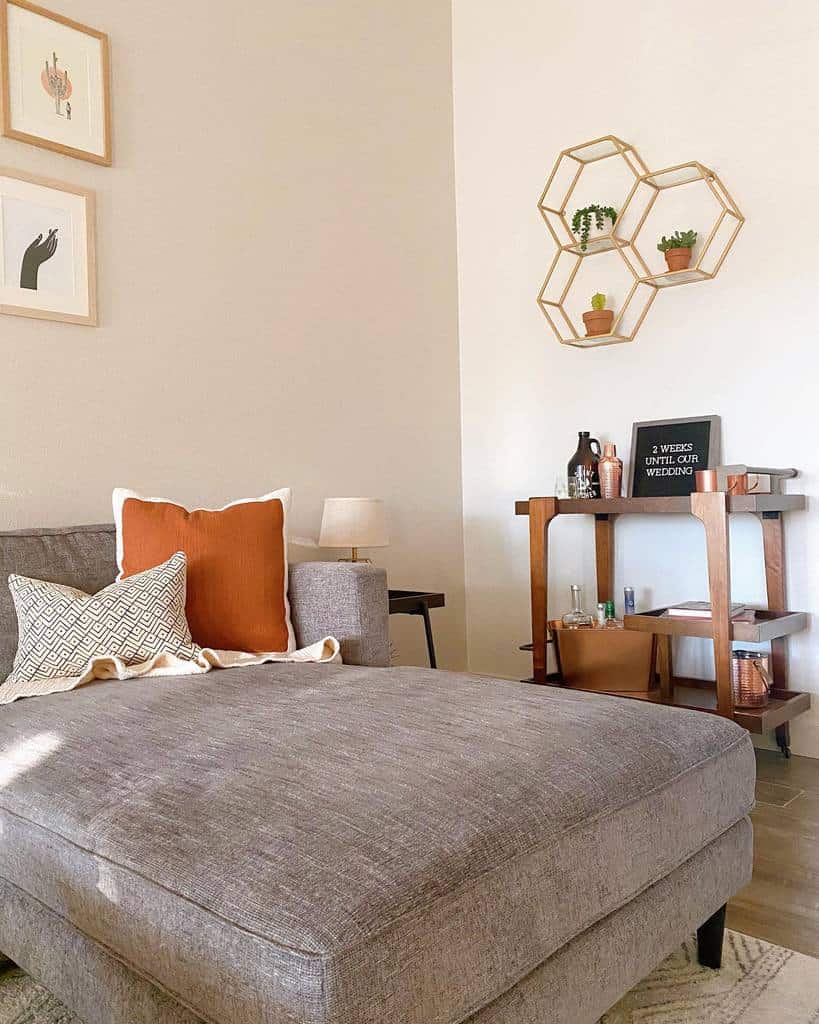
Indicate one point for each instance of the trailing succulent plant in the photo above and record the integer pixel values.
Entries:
(582, 221)
(679, 240)
(598, 301)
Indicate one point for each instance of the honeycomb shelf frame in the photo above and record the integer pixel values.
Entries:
(640, 296)
(646, 284)
(676, 176)
(553, 211)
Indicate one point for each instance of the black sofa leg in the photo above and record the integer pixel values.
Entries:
(709, 940)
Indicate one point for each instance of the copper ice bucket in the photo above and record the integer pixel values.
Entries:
(750, 679)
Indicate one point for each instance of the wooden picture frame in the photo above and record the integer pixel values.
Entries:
(24, 33)
(678, 464)
(44, 218)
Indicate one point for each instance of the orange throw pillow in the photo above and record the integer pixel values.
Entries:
(237, 564)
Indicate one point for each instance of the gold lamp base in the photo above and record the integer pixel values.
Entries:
(354, 558)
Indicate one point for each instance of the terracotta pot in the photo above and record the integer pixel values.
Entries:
(678, 259)
(598, 321)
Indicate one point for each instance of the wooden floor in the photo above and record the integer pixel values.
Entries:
(782, 902)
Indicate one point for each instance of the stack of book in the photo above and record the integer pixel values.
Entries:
(702, 610)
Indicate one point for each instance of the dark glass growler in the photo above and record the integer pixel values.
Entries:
(587, 455)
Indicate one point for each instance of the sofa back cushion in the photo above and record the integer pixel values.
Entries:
(83, 557)
(344, 600)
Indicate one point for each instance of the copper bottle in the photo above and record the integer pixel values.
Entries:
(610, 469)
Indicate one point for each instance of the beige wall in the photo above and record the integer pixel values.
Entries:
(277, 282)
(689, 80)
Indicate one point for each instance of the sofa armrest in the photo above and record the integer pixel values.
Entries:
(347, 600)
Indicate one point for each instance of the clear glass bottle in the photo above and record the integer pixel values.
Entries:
(577, 618)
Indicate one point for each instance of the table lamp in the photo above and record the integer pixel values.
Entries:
(353, 523)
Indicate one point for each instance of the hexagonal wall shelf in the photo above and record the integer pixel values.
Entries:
(626, 238)
(571, 167)
(554, 300)
(727, 221)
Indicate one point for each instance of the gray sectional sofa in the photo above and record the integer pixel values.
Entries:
(324, 844)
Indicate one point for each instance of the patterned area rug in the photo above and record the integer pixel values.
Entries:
(758, 984)
(23, 1001)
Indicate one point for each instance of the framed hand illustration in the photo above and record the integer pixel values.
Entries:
(47, 261)
(55, 86)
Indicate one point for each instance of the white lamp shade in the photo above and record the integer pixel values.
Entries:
(353, 523)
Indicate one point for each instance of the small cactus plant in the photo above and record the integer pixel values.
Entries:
(679, 240)
(598, 319)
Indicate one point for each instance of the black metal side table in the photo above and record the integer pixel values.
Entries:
(418, 602)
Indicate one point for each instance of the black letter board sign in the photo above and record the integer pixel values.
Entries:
(665, 454)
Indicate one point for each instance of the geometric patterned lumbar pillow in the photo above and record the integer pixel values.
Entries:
(61, 629)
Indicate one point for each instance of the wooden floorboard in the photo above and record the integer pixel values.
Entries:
(782, 902)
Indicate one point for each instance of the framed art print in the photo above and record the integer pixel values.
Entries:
(55, 82)
(47, 258)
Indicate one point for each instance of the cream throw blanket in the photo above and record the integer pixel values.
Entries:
(132, 628)
(111, 667)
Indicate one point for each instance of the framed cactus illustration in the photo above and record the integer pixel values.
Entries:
(55, 82)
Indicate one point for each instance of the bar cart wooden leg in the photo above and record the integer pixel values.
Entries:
(774, 552)
(773, 546)
(711, 508)
(541, 512)
(604, 555)
(665, 669)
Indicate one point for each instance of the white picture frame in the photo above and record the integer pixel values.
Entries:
(55, 82)
(47, 249)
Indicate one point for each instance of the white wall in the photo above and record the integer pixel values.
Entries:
(735, 87)
(277, 282)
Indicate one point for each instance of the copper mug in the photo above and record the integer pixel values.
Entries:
(750, 679)
(740, 484)
(706, 480)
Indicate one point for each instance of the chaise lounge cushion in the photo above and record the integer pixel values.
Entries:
(335, 845)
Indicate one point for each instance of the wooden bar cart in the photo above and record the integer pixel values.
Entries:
(772, 623)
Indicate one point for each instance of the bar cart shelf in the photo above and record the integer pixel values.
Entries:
(772, 624)
(767, 625)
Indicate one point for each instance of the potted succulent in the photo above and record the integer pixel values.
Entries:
(582, 221)
(677, 249)
(598, 320)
